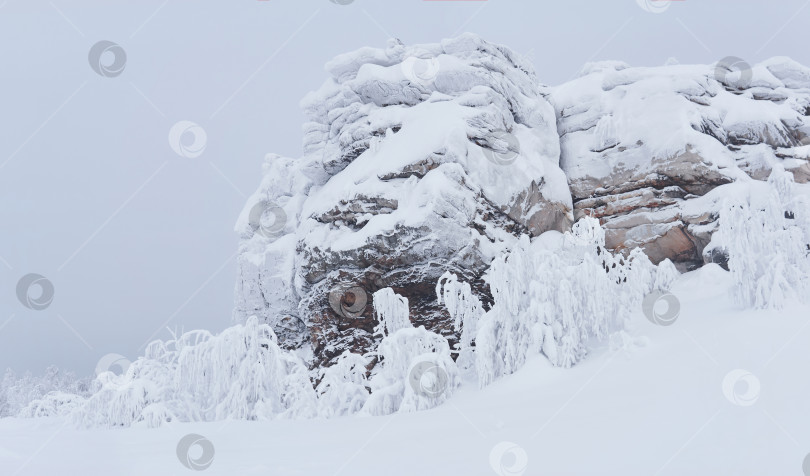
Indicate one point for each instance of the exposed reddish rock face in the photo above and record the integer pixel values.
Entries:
(639, 144)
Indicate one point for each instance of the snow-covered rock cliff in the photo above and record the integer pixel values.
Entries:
(422, 160)
(638, 143)
(418, 161)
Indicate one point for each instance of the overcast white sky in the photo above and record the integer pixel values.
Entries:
(134, 237)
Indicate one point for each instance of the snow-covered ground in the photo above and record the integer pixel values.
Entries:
(667, 401)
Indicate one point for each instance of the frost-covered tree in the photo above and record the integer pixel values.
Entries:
(343, 387)
(554, 301)
(665, 275)
(241, 373)
(767, 237)
(21, 396)
(465, 310)
(415, 372)
(415, 369)
(546, 300)
(391, 311)
(54, 403)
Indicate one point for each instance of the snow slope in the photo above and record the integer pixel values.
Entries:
(653, 406)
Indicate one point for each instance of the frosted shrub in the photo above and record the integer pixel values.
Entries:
(549, 301)
(465, 310)
(642, 274)
(766, 236)
(415, 369)
(241, 374)
(586, 232)
(402, 381)
(391, 311)
(554, 301)
(54, 404)
(665, 275)
(21, 396)
(343, 387)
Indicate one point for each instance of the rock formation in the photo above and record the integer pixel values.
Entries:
(424, 159)
(417, 161)
(637, 143)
